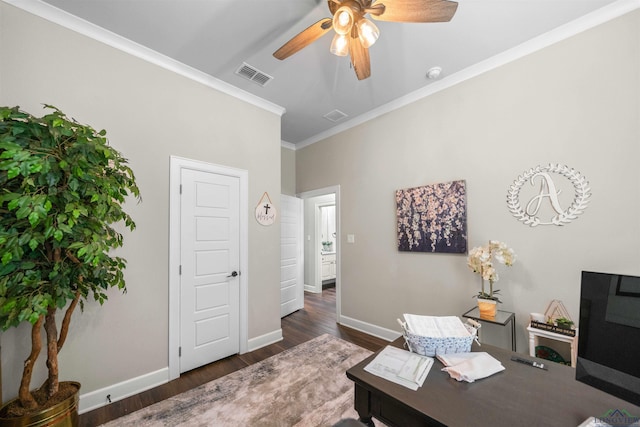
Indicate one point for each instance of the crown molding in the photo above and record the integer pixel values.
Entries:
(81, 26)
(55, 15)
(586, 22)
(288, 145)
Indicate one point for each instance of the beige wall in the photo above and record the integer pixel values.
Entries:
(149, 114)
(288, 166)
(574, 103)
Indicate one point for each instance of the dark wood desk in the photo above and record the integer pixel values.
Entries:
(520, 395)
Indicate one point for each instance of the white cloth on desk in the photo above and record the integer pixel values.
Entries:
(470, 366)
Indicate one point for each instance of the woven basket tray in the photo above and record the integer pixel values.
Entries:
(434, 346)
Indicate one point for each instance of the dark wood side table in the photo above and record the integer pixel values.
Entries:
(503, 318)
(521, 395)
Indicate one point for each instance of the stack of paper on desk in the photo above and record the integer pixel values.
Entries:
(470, 366)
(401, 366)
(435, 326)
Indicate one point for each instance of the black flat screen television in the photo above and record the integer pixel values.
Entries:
(609, 337)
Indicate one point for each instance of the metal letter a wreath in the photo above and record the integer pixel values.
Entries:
(528, 215)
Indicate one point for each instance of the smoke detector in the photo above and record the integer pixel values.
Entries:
(433, 73)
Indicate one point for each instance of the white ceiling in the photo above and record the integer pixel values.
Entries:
(217, 36)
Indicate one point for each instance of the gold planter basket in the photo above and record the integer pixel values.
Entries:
(63, 414)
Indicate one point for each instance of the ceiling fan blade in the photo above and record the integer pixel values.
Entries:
(359, 58)
(304, 38)
(414, 10)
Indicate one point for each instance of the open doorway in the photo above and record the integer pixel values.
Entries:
(326, 220)
(322, 241)
(319, 242)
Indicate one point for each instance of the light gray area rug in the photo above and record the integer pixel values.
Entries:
(305, 386)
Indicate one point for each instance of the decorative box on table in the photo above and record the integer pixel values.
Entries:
(435, 335)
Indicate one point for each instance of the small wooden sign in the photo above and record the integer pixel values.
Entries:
(553, 328)
(265, 210)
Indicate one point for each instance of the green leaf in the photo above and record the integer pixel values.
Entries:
(35, 167)
(73, 184)
(65, 228)
(33, 244)
(51, 179)
(7, 164)
(48, 232)
(28, 265)
(13, 172)
(34, 219)
(7, 257)
(23, 212)
(25, 314)
(8, 145)
(58, 235)
(13, 204)
(33, 318)
(9, 305)
(6, 270)
(61, 302)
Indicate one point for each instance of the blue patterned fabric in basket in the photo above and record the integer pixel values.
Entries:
(433, 346)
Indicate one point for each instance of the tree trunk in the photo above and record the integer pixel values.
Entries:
(24, 394)
(64, 328)
(52, 351)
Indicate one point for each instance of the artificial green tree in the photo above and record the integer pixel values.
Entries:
(62, 189)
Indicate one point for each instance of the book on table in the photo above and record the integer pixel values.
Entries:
(400, 366)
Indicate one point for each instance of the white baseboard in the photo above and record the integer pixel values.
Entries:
(98, 398)
(312, 289)
(265, 340)
(369, 328)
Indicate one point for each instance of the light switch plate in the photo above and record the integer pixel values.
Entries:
(351, 238)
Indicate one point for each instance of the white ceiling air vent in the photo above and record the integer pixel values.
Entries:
(253, 74)
(335, 115)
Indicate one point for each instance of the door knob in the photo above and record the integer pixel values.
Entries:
(233, 274)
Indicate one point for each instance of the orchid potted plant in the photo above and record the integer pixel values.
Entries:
(480, 260)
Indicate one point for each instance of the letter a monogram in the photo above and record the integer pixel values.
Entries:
(548, 192)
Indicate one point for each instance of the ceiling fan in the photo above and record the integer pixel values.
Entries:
(355, 33)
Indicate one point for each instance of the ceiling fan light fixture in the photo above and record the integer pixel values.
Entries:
(367, 32)
(339, 45)
(343, 20)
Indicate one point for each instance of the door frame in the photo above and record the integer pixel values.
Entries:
(334, 189)
(176, 166)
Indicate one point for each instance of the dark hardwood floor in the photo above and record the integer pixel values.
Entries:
(317, 318)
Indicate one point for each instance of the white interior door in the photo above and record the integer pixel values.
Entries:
(291, 255)
(210, 258)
